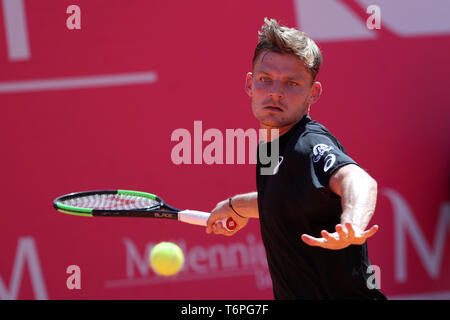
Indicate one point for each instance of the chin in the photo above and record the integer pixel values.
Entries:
(277, 123)
(271, 123)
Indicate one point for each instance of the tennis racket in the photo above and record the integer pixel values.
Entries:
(127, 203)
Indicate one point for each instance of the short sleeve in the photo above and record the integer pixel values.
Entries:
(325, 155)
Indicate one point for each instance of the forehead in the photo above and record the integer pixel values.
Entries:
(281, 64)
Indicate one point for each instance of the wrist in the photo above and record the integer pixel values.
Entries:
(231, 206)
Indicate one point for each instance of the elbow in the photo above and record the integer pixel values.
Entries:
(373, 189)
(373, 185)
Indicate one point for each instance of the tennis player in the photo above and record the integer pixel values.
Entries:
(315, 208)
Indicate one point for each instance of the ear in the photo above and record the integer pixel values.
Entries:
(316, 91)
(249, 83)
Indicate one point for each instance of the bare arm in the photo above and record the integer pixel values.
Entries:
(358, 193)
(246, 204)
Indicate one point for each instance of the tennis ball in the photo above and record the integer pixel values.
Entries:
(166, 258)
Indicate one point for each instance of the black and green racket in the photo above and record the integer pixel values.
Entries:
(127, 203)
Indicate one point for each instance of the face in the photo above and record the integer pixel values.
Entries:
(281, 89)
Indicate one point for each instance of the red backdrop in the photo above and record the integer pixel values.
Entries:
(105, 99)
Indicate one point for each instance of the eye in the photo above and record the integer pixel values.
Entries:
(264, 79)
(293, 84)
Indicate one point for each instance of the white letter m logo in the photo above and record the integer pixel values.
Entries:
(26, 252)
(431, 256)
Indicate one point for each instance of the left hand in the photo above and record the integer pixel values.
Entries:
(342, 238)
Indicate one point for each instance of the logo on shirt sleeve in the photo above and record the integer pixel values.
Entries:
(329, 161)
(319, 150)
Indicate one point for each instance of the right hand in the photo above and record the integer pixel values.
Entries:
(222, 211)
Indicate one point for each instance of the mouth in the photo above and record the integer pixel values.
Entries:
(273, 108)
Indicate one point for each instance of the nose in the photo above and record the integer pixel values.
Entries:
(276, 90)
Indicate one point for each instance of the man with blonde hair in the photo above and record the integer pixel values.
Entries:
(316, 205)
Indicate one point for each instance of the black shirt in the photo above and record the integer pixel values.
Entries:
(296, 199)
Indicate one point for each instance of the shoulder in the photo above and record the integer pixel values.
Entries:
(316, 137)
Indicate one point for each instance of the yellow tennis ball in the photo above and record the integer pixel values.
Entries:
(166, 258)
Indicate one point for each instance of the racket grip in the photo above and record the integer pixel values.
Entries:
(228, 223)
(200, 218)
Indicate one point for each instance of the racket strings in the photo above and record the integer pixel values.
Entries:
(111, 202)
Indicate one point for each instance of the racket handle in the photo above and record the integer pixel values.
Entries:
(200, 218)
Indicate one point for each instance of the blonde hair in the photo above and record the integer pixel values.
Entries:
(280, 39)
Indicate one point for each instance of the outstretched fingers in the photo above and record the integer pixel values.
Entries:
(341, 232)
(350, 231)
(369, 233)
(342, 238)
(309, 240)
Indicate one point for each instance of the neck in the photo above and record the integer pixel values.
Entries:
(276, 132)
(273, 133)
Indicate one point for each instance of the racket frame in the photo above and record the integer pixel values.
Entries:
(162, 210)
